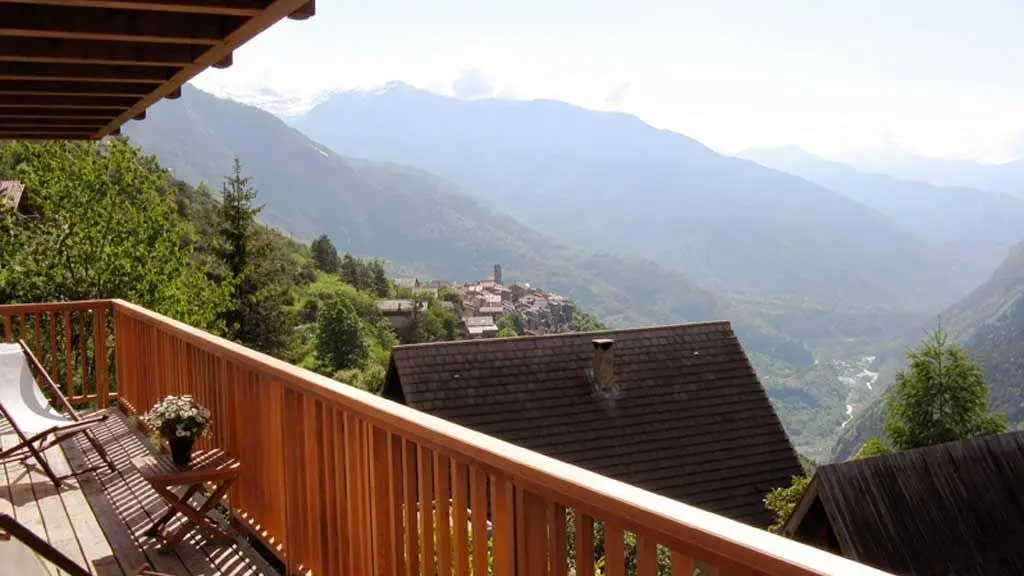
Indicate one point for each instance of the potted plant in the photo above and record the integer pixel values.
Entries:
(179, 420)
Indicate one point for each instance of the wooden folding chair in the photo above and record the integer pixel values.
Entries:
(9, 527)
(34, 419)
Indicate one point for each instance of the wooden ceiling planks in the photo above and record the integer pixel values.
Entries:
(79, 69)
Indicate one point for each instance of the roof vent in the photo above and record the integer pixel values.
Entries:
(603, 366)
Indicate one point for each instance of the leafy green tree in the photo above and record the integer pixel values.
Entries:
(258, 316)
(873, 447)
(436, 324)
(514, 322)
(781, 501)
(339, 339)
(379, 281)
(355, 272)
(940, 397)
(105, 226)
(451, 295)
(584, 322)
(325, 255)
(507, 332)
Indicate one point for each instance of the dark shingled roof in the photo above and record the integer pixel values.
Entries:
(955, 508)
(690, 421)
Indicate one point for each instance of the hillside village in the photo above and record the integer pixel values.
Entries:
(480, 306)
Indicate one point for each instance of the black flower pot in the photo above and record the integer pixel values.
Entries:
(181, 450)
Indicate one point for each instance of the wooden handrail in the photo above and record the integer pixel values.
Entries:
(339, 480)
(11, 309)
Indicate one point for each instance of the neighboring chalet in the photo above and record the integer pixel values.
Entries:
(955, 508)
(676, 410)
(401, 315)
(474, 327)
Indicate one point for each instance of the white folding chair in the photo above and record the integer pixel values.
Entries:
(38, 422)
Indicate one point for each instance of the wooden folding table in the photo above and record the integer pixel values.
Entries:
(213, 467)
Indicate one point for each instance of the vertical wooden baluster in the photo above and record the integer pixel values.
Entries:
(354, 491)
(7, 328)
(396, 479)
(460, 477)
(614, 554)
(312, 446)
(37, 334)
(16, 327)
(69, 376)
(409, 479)
(380, 503)
(99, 334)
(646, 556)
(478, 492)
(559, 546)
(682, 565)
(341, 505)
(532, 525)
(519, 524)
(427, 505)
(442, 503)
(503, 525)
(584, 544)
(54, 362)
(83, 343)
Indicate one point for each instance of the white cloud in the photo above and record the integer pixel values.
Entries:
(472, 83)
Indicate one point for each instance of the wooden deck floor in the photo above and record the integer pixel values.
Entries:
(96, 518)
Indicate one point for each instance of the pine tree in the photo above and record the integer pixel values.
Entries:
(325, 255)
(379, 279)
(339, 340)
(349, 270)
(257, 316)
(941, 397)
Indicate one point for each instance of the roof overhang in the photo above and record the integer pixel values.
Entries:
(79, 69)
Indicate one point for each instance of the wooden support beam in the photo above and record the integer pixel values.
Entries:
(29, 112)
(9, 123)
(175, 94)
(57, 88)
(90, 102)
(92, 52)
(44, 130)
(224, 62)
(304, 12)
(275, 11)
(152, 75)
(36, 135)
(32, 21)
(224, 7)
(140, 116)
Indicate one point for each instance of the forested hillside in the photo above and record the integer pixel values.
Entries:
(732, 226)
(103, 221)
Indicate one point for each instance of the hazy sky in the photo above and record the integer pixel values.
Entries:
(941, 77)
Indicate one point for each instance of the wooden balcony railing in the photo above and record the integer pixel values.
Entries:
(339, 481)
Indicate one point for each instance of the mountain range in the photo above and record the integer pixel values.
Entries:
(823, 275)
(1005, 177)
(413, 219)
(975, 227)
(610, 182)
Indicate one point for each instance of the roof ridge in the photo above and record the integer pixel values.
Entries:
(566, 334)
